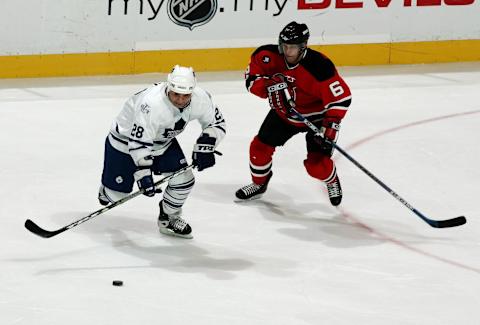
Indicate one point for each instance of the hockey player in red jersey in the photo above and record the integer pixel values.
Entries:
(321, 95)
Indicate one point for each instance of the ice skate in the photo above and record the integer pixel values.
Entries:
(335, 191)
(252, 191)
(173, 225)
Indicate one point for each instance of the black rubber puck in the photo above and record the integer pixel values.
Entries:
(117, 283)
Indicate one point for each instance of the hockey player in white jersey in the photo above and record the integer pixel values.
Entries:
(142, 142)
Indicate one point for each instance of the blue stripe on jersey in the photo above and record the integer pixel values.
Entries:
(219, 127)
(133, 149)
(148, 144)
(118, 139)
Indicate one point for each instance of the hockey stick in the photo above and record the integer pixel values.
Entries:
(457, 221)
(34, 228)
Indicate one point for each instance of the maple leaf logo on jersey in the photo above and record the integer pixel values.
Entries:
(191, 13)
(177, 129)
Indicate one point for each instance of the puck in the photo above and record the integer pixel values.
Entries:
(117, 283)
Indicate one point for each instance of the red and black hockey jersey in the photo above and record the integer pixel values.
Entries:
(319, 91)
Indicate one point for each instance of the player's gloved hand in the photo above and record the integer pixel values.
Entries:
(144, 179)
(143, 176)
(276, 93)
(277, 79)
(328, 135)
(203, 155)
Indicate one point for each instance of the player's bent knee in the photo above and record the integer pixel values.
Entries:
(319, 166)
(186, 177)
(260, 149)
(110, 195)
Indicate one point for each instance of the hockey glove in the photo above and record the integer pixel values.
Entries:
(204, 152)
(144, 179)
(328, 135)
(276, 94)
(143, 176)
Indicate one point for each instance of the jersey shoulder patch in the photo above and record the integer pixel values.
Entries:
(317, 64)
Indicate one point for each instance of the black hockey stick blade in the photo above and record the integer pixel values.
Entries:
(35, 229)
(458, 221)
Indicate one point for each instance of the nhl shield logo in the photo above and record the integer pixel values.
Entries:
(191, 13)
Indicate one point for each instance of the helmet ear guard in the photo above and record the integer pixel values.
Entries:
(181, 80)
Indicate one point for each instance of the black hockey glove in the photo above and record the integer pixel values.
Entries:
(204, 152)
(144, 179)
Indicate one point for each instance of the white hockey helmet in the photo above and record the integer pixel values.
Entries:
(181, 80)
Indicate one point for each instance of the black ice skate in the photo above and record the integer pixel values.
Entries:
(335, 191)
(173, 225)
(252, 191)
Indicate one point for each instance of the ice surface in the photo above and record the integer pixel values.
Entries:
(289, 258)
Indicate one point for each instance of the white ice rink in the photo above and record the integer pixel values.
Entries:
(289, 258)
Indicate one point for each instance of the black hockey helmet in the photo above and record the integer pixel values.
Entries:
(294, 33)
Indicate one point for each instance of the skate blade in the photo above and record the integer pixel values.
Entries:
(169, 232)
(256, 197)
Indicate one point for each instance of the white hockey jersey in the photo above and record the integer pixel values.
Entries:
(149, 121)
